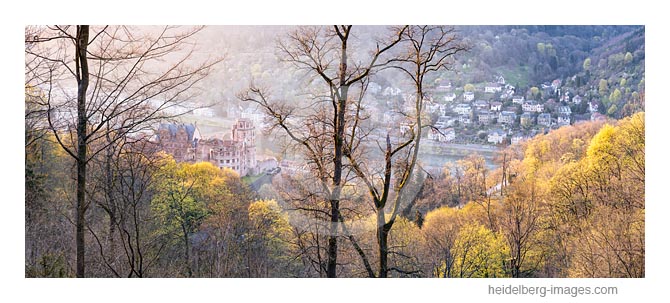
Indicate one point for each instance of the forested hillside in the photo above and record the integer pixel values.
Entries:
(571, 201)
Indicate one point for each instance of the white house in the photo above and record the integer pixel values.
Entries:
(577, 99)
(492, 88)
(450, 97)
(445, 121)
(442, 134)
(563, 119)
(518, 99)
(468, 96)
(593, 106)
(532, 106)
(496, 106)
(496, 136)
(204, 112)
(391, 91)
(445, 85)
(462, 109)
(480, 104)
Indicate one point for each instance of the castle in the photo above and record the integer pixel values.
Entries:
(185, 144)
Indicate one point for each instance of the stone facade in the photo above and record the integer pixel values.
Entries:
(183, 142)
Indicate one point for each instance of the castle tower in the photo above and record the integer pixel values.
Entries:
(244, 132)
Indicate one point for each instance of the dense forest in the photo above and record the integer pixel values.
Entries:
(574, 201)
(103, 199)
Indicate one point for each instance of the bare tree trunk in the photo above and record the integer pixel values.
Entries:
(111, 208)
(82, 71)
(382, 241)
(337, 159)
(186, 252)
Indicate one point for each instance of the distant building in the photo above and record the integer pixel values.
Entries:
(506, 117)
(442, 134)
(465, 119)
(532, 106)
(444, 86)
(518, 99)
(178, 140)
(480, 104)
(492, 88)
(463, 109)
(444, 121)
(556, 84)
(391, 91)
(563, 119)
(544, 119)
(577, 99)
(184, 143)
(526, 119)
(204, 112)
(564, 110)
(468, 96)
(450, 97)
(496, 136)
(496, 106)
(486, 117)
(593, 106)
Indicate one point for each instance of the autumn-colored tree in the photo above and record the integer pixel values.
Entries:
(183, 192)
(520, 219)
(587, 64)
(602, 87)
(479, 253)
(268, 241)
(440, 230)
(128, 90)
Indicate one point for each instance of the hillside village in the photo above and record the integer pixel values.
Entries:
(494, 113)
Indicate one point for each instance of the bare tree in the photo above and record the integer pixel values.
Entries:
(427, 49)
(123, 84)
(324, 53)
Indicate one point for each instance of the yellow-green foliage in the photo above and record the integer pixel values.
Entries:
(184, 193)
(479, 253)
